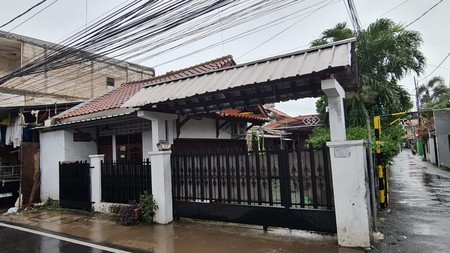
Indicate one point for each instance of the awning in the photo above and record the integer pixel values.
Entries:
(281, 78)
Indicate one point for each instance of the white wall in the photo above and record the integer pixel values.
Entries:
(80, 151)
(52, 146)
(59, 146)
(431, 156)
(203, 128)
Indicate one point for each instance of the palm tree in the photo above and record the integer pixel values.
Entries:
(433, 90)
(337, 33)
(386, 52)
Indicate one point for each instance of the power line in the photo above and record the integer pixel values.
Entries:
(26, 20)
(398, 5)
(424, 13)
(287, 28)
(438, 66)
(23, 13)
(98, 30)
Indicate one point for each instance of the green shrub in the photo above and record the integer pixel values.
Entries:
(149, 207)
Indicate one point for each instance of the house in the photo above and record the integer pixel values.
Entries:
(437, 145)
(92, 77)
(29, 99)
(103, 126)
(288, 132)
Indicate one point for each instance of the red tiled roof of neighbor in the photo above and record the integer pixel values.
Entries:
(288, 121)
(243, 115)
(115, 98)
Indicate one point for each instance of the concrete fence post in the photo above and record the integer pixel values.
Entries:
(96, 180)
(162, 185)
(351, 193)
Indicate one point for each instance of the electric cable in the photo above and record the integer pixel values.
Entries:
(23, 13)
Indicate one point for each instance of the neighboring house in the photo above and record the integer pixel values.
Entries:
(28, 100)
(102, 126)
(78, 82)
(437, 146)
(288, 132)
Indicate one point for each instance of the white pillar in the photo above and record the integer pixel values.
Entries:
(96, 180)
(158, 125)
(162, 185)
(351, 193)
(335, 94)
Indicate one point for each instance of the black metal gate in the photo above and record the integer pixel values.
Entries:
(125, 181)
(283, 188)
(75, 185)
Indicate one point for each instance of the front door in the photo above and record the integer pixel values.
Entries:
(129, 147)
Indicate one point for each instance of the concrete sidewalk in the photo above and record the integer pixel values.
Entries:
(182, 236)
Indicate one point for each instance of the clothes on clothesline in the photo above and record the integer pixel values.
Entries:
(14, 131)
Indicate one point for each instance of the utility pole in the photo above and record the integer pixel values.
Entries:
(418, 103)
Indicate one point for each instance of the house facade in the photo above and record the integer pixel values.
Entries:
(101, 126)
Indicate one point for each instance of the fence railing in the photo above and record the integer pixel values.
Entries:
(297, 178)
(125, 181)
(10, 173)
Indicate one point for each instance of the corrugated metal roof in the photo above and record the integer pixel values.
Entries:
(295, 73)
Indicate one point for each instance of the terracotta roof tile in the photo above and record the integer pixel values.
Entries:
(115, 98)
(234, 113)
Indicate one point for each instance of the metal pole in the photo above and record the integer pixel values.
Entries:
(372, 177)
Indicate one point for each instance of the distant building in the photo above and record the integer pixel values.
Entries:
(88, 79)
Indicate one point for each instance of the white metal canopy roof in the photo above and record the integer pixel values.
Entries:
(281, 78)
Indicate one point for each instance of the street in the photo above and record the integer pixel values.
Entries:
(18, 239)
(417, 218)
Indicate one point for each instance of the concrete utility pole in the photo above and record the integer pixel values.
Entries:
(417, 102)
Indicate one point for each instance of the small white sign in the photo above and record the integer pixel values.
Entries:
(343, 152)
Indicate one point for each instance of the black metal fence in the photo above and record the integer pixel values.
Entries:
(75, 185)
(125, 181)
(298, 178)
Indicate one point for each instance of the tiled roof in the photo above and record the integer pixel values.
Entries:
(115, 98)
(248, 116)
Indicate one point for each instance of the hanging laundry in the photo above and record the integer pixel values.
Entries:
(14, 132)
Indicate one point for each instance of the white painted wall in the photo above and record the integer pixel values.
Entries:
(52, 146)
(203, 128)
(59, 146)
(431, 156)
(77, 151)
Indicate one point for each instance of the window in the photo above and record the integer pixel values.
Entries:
(110, 82)
(82, 137)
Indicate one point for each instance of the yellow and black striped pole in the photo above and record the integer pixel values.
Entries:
(381, 185)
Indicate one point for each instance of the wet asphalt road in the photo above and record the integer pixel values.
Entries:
(418, 215)
(14, 241)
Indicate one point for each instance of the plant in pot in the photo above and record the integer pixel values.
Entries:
(149, 207)
(127, 214)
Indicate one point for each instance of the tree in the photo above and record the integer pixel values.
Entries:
(433, 91)
(386, 52)
(337, 33)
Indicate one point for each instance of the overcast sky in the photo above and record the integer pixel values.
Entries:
(63, 17)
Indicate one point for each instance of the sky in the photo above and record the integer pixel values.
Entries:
(57, 19)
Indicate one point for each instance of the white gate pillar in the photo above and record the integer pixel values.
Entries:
(162, 185)
(335, 94)
(161, 166)
(351, 193)
(96, 180)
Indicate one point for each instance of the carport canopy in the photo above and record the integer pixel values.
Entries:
(280, 78)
